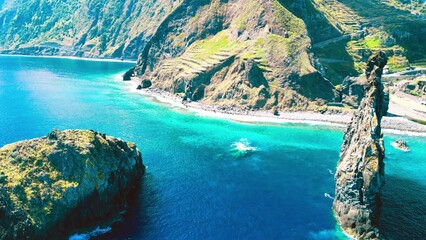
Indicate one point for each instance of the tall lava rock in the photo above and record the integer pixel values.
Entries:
(360, 170)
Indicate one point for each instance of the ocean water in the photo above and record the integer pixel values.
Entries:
(207, 178)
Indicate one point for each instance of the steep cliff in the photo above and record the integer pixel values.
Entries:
(89, 28)
(360, 171)
(67, 180)
(251, 54)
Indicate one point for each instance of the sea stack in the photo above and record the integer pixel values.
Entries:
(65, 181)
(360, 171)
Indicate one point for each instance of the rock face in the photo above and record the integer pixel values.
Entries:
(65, 181)
(128, 75)
(360, 171)
(353, 90)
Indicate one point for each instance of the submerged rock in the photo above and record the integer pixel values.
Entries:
(68, 180)
(360, 171)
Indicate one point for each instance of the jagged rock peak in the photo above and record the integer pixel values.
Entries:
(360, 171)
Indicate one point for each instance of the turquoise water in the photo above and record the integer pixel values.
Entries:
(196, 187)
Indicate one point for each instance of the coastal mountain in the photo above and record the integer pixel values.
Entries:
(360, 172)
(89, 28)
(343, 33)
(65, 181)
(252, 54)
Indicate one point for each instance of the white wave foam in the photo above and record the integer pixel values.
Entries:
(243, 145)
(241, 148)
(86, 236)
(118, 77)
(328, 196)
(331, 172)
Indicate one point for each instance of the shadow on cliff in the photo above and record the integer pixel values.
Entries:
(140, 201)
(404, 209)
(334, 56)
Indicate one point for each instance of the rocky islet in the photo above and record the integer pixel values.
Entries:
(67, 180)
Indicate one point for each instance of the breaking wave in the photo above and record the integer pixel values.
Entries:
(241, 148)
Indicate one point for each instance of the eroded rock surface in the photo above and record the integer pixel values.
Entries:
(65, 181)
(360, 171)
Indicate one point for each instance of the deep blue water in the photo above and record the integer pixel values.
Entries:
(194, 187)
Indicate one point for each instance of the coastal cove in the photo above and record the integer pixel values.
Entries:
(194, 187)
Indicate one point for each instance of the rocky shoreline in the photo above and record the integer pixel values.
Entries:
(398, 125)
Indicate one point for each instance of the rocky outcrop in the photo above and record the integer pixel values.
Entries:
(146, 83)
(127, 76)
(360, 171)
(65, 181)
(401, 145)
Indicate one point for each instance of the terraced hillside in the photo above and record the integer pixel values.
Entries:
(366, 26)
(248, 54)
